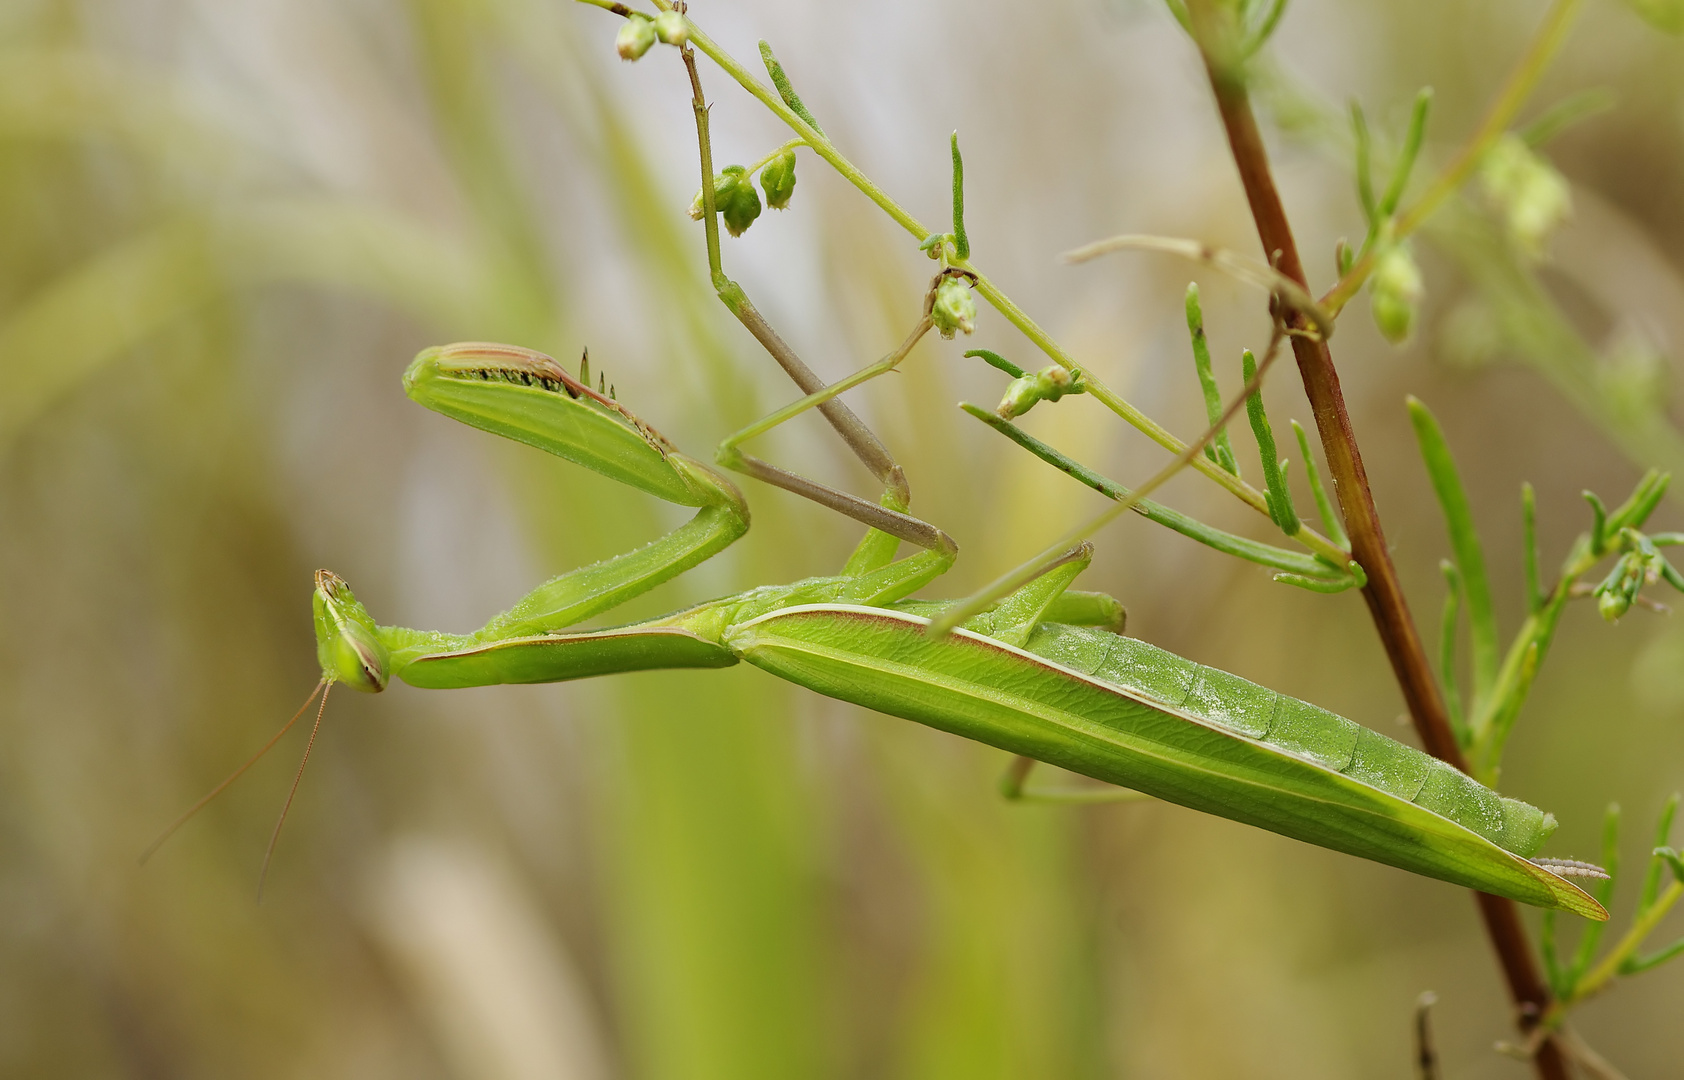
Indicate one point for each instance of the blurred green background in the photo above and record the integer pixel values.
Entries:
(228, 225)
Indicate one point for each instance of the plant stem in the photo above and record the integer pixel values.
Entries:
(1383, 592)
(1598, 978)
(1521, 81)
(990, 292)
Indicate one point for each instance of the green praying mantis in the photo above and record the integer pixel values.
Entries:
(1044, 673)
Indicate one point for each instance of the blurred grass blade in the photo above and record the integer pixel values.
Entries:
(93, 315)
(1470, 560)
(1565, 113)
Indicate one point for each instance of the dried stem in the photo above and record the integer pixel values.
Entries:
(1384, 593)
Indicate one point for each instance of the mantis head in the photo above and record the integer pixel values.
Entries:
(347, 645)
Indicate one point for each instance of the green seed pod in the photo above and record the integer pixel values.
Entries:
(1533, 197)
(777, 180)
(1394, 293)
(670, 28)
(636, 36)
(738, 202)
(955, 307)
(1048, 384)
(1619, 589)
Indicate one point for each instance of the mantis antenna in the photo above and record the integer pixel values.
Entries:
(236, 774)
(275, 836)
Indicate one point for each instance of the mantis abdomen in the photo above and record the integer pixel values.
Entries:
(1121, 711)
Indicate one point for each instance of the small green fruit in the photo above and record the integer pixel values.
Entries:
(671, 29)
(1049, 384)
(1533, 197)
(738, 202)
(636, 36)
(1394, 293)
(777, 180)
(955, 307)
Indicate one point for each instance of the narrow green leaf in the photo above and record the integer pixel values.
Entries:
(1674, 860)
(1330, 520)
(961, 242)
(1411, 149)
(1219, 449)
(1529, 528)
(1365, 182)
(1599, 523)
(785, 90)
(1447, 651)
(1179, 11)
(1265, 29)
(1319, 584)
(1552, 963)
(994, 359)
(1636, 965)
(1238, 546)
(1656, 863)
(1565, 113)
(1602, 890)
(1279, 495)
(1644, 498)
(1670, 574)
(1505, 710)
(1464, 543)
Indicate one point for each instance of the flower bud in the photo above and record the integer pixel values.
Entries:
(1620, 588)
(636, 35)
(955, 307)
(777, 180)
(736, 198)
(1049, 384)
(670, 28)
(1394, 292)
(1533, 197)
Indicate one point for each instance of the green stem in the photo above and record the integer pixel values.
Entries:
(1598, 978)
(1521, 82)
(989, 291)
(793, 144)
(1490, 725)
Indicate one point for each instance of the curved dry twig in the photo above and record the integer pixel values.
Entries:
(1252, 271)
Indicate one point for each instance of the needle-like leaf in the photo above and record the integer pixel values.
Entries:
(1464, 543)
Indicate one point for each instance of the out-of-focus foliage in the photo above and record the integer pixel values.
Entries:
(228, 226)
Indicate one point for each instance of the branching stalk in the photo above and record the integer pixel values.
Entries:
(1384, 592)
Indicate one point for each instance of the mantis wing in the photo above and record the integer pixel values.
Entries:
(1227, 747)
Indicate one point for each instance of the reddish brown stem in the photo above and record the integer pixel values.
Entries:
(1384, 593)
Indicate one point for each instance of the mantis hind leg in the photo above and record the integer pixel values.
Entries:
(1048, 598)
(888, 519)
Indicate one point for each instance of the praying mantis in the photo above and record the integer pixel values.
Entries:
(1045, 673)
